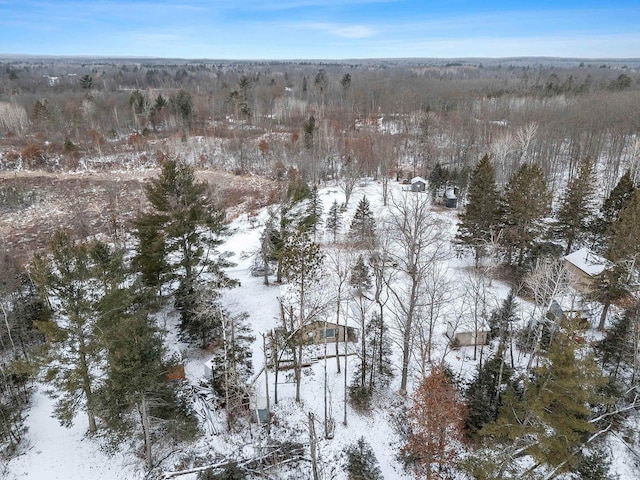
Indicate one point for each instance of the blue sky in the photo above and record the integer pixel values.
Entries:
(320, 29)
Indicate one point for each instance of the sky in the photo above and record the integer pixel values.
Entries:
(320, 29)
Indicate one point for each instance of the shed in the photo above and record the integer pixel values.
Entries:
(319, 332)
(467, 337)
(418, 184)
(583, 266)
(449, 198)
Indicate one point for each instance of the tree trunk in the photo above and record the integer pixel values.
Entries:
(144, 415)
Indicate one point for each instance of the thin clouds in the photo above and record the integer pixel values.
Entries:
(343, 31)
(319, 28)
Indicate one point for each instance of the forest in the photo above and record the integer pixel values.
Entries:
(386, 268)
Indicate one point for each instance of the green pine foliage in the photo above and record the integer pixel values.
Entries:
(576, 212)
(615, 350)
(312, 217)
(438, 178)
(594, 464)
(484, 393)
(301, 259)
(363, 226)
(624, 242)
(361, 462)
(177, 238)
(334, 219)
(611, 208)
(360, 277)
(74, 348)
(550, 420)
(526, 202)
(480, 220)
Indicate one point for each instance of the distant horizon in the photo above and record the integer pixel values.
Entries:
(255, 30)
(4, 56)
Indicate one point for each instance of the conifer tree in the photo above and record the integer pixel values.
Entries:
(527, 201)
(616, 349)
(624, 243)
(135, 394)
(438, 178)
(484, 393)
(575, 214)
(373, 373)
(312, 218)
(363, 225)
(611, 208)
(334, 219)
(551, 419)
(361, 462)
(481, 217)
(608, 287)
(360, 277)
(72, 361)
(178, 237)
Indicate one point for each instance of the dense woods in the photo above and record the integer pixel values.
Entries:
(320, 161)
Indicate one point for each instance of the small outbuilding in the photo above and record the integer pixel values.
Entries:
(418, 184)
(583, 266)
(467, 337)
(450, 198)
(319, 332)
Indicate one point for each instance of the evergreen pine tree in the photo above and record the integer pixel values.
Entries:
(527, 201)
(438, 178)
(74, 347)
(135, 394)
(363, 225)
(334, 219)
(552, 416)
(624, 243)
(611, 208)
(177, 238)
(575, 214)
(608, 287)
(484, 393)
(361, 462)
(481, 217)
(616, 349)
(360, 275)
(312, 218)
(373, 372)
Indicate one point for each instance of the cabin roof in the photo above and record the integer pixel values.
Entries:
(589, 262)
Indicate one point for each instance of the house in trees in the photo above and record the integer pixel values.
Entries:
(467, 336)
(418, 184)
(320, 332)
(583, 266)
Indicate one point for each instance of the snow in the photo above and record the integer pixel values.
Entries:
(58, 453)
(54, 452)
(587, 261)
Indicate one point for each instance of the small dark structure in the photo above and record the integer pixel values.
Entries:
(449, 198)
(418, 184)
(317, 333)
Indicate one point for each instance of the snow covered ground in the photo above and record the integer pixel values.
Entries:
(54, 452)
